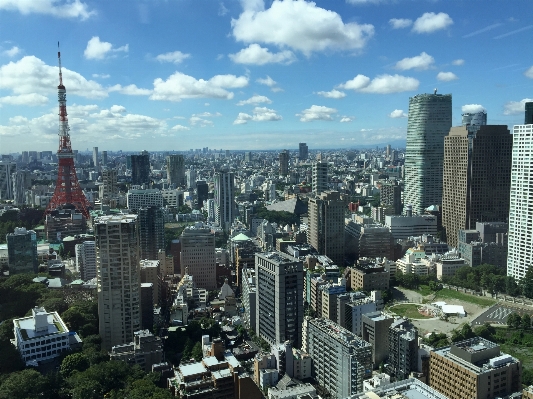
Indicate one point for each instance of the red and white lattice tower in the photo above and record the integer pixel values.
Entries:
(68, 190)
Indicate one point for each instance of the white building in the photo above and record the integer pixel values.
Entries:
(143, 198)
(7, 168)
(520, 249)
(173, 198)
(41, 336)
(409, 226)
(86, 260)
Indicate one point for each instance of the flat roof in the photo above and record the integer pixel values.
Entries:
(192, 369)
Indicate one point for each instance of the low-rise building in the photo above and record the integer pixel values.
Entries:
(369, 276)
(146, 350)
(410, 388)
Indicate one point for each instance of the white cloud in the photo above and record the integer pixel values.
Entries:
(430, 22)
(179, 86)
(222, 10)
(420, 62)
(268, 81)
(130, 90)
(400, 23)
(117, 109)
(101, 75)
(32, 75)
(346, 119)
(472, 108)
(317, 113)
(446, 76)
(179, 128)
(98, 50)
(254, 100)
(56, 8)
(299, 25)
(356, 2)
(259, 114)
(31, 99)
(398, 113)
(197, 121)
(176, 57)
(382, 84)
(12, 52)
(516, 107)
(529, 73)
(254, 54)
(208, 115)
(332, 94)
(458, 62)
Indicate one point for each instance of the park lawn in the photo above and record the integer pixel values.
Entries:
(447, 293)
(424, 290)
(408, 310)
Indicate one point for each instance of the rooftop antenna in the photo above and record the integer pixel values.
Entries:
(435, 91)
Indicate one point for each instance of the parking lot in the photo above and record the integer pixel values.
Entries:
(498, 314)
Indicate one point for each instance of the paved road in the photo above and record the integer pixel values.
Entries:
(498, 314)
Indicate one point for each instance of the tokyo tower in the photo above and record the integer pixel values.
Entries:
(68, 190)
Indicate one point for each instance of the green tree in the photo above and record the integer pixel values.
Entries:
(74, 362)
(514, 320)
(196, 352)
(526, 284)
(25, 384)
(10, 360)
(525, 323)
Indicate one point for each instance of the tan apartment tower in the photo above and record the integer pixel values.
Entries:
(198, 256)
(118, 278)
(476, 178)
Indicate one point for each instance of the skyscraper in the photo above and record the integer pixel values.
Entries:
(528, 120)
(224, 199)
(104, 158)
(118, 278)
(429, 121)
(176, 170)
(198, 256)
(284, 163)
(326, 225)
(96, 160)
(303, 152)
(202, 192)
(21, 180)
(151, 231)
(279, 301)
(320, 177)
(7, 168)
(22, 251)
(520, 257)
(109, 187)
(477, 167)
(86, 259)
(140, 168)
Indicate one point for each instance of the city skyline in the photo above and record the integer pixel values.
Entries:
(181, 75)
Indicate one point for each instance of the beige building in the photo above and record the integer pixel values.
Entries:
(198, 256)
(118, 278)
(369, 278)
(474, 189)
(474, 368)
(448, 265)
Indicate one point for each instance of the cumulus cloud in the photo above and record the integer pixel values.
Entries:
(398, 113)
(458, 62)
(516, 107)
(268, 81)
(254, 54)
(130, 90)
(198, 121)
(175, 57)
(332, 94)
(430, 22)
(56, 8)
(254, 100)
(472, 108)
(117, 109)
(446, 76)
(31, 99)
(101, 75)
(300, 25)
(98, 50)
(179, 128)
(179, 86)
(317, 113)
(420, 62)
(400, 23)
(382, 84)
(259, 114)
(529, 73)
(32, 75)
(12, 52)
(346, 119)
(208, 115)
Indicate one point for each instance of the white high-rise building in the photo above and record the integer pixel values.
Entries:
(118, 278)
(430, 120)
(224, 199)
(320, 177)
(96, 160)
(7, 168)
(520, 251)
(86, 260)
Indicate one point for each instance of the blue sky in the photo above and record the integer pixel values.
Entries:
(181, 74)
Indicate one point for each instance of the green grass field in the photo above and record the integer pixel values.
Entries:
(408, 310)
(446, 293)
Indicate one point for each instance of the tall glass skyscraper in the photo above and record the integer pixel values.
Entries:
(430, 120)
(224, 199)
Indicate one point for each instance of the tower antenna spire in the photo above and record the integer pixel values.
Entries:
(59, 59)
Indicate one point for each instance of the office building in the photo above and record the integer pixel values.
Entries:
(488, 243)
(320, 177)
(96, 160)
(109, 188)
(248, 156)
(147, 306)
(104, 158)
(351, 307)
(145, 351)
(176, 170)
(202, 193)
(21, 182)
(151, 273)
(520, 256)
(22, 251)
(473, 189)
(429, 121)
(403, 349)
(369, 276)
(326, 225)
(7, 168)
(140, 168)
(341, 360)
(41, 336)
(198, 255)
(190, 177)
(474, 368)
(225, 209)
(376, 332)
(136, 199)
(402, 227)
(390, 196)
(279, 301)
(368, 240)
(86, 259)
(284, 163)
(118, 278)
(249, 296)
(410, 388)
(151, 231)
(303, 151)
(528, 120)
